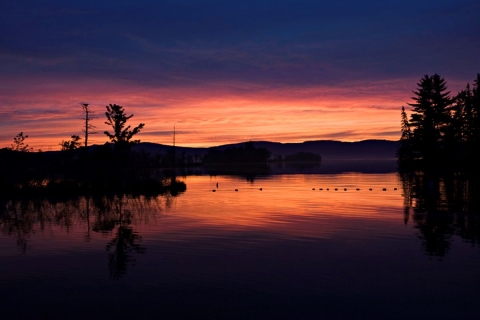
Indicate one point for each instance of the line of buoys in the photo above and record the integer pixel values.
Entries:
(321, 189)
(357, 189)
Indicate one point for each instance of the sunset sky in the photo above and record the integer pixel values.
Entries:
(224, 71)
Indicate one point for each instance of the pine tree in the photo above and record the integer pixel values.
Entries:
(441, 102)
(430, 118)
(475, 125)
(473, 131)
(405, 151)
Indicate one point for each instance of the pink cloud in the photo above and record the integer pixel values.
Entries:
(49, 111)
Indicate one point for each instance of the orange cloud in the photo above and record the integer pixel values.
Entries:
(205, 115)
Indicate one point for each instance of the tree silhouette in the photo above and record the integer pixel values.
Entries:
(465, 124)
(88, 117)
(117, 119)
(19, 143)
(72, 144)
(122, 247)
(405, 151)
(441, 206)
(430, 117)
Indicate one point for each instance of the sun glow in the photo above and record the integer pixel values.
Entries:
(50, 112)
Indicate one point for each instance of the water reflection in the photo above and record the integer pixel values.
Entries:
(227, 254)
(248, 172)
(122, 248)
(292, 206)
(254, 172)
(106, 215)
(442, 206)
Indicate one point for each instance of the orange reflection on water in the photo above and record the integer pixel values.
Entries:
(286, 207)
(288, 204)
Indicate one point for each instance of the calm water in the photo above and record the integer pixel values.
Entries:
(285, 251)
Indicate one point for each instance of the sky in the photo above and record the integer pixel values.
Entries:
(224, 72)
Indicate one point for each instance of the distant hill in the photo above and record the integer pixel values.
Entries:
(328, 149)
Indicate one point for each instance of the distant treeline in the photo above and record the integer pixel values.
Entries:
(248, 153)
(443, 132)
(237, 155)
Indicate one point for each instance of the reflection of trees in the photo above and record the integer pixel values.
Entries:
(106, 214)
(112, 214)
(122, 246)
(21, 219)
(250, 172)
(441, 207)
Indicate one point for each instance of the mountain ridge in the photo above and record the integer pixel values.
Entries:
(328, 149)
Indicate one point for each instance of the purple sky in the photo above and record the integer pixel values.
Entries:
(256, 66)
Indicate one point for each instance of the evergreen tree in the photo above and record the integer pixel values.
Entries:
(442, 130)
(430, 118)
(405, 151)
(475, 122)
(471, 101)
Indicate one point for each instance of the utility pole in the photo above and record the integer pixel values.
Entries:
(174, 135)
(174, 155)
(88, 126)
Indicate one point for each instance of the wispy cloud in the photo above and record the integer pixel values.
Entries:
(230, 71)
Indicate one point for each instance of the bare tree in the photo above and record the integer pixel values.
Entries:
(89, 115)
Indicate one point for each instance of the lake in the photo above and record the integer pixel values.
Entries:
(277, 247)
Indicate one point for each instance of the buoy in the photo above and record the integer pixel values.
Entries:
(394, 188)
(357, 189)
(328, 189)
(313, 188)
(336, 189)
(320, 189)
(260, 189)
(236, 190)
(344, 189)
(370, 189)
(384, 189)
(213, 190)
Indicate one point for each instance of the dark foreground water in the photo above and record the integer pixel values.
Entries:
(283, 252)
